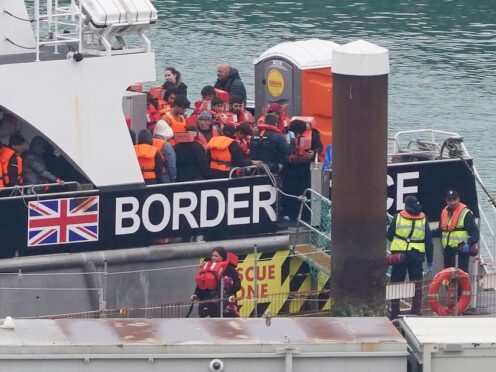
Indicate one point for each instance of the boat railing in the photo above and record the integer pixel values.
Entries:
(25, 190)
(61, 24)
(426, 144)
(487, 227)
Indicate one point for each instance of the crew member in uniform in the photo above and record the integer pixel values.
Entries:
(410, 237)
(458, 231)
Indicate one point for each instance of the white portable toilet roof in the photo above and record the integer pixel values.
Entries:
(305, 54)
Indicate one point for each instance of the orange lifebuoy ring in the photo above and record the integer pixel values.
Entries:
(442, 277)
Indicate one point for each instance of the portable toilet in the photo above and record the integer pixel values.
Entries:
(298, 75)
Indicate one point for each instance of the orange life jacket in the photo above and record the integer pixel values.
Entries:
(146, 159)
(410, 216)
(454, 217)
(226, 117)
(156, 92)
(219, 153)
(245, 116)
(263, 128)
(222, 94)
(1, 178)
(178, 124)
(6, 154)
(210, 272)
(136, 87)
(203, 140)
(303, 145)
(159, 143)
(283, 122)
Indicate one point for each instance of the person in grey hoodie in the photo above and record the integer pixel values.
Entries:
(35, 171)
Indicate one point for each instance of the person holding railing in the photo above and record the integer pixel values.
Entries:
(411, 242)
(221, 266)
(35, 170)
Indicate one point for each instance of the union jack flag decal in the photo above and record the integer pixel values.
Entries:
(63, 221)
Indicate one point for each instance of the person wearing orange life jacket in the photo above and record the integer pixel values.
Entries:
(149, 158)
(225, 153)
(296, 173)
(411, 237)
(269, 145)
(208, 93)
(237, 108)
(207, 128)
(459, 232)
(152, 112)
(220, 266)
(162, 133)
(243, 135)
(279, 110)
(11, 160)
(175, 117)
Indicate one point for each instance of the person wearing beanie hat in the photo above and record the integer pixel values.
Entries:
(458, 231)
(207, 128)
(149, 158)
(162, 133)
(410, 236)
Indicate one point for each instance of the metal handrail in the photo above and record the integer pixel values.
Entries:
(23, 188)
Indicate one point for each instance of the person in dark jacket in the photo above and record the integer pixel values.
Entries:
(228, 79)
(231, 286)
(226, 146)
(174, 76)
(411, 240)
(296, 174)
(269, 145)
(191, 160)
(35, 171)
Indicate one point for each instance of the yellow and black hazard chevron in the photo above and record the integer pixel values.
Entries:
(284, 286)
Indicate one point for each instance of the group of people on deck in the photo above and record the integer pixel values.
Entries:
(220, 135)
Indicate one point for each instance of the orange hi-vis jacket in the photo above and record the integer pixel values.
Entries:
(6, 154)
(146, 159)
(220, 155)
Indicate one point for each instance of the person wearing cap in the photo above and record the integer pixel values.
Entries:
(459, 232)
(410, 236)
(228, 79)
(207, 128)
(278, 110)
(162, 133)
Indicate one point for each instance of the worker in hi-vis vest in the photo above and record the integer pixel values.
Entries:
(411, 242)
(459, 232)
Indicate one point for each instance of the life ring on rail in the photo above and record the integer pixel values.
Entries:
(443, 278)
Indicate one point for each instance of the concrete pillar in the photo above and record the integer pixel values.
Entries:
(360, 74)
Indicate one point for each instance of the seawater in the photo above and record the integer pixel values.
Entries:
(442, 53)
